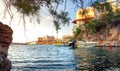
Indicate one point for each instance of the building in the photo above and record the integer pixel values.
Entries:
(46, 40)
(40, 40)
(80, 18)
(91, 13)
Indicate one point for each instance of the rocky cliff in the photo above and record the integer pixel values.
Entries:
(5, 40)
(115, 33)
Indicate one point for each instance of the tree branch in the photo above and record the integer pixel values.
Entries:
(8, 9)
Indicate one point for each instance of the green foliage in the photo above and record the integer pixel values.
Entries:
(80, 38)
(95, 26)
(117, 11)
(62, 17)
(78, 31)
(32, 7)
(103, 7)
(104, 23)
(59, 18)
(116, 19)
(107, 19)
(29, 7)
(26, 6)
(57, 26)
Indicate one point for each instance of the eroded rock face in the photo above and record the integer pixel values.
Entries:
(115, 32)
(5, 40)
(5, 35)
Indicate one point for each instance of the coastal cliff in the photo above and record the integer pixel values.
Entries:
(115, 32)
(5, 40)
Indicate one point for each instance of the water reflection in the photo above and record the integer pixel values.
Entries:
(98, 58)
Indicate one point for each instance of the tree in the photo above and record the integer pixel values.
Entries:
(32, 8)
(77, 33)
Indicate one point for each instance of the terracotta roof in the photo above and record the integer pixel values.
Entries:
(82, 19)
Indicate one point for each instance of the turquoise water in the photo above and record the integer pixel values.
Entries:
(41, 58)
(61, 58)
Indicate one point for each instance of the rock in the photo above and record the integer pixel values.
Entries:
(5, 63)
(5, 35)
(5, 40)
(115, 32)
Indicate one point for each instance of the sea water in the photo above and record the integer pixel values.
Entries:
(41, 58)
(62, 58)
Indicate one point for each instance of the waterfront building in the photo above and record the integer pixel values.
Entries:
(81, 19)
(49, 39)
(46, 40)
(92, 13)
(40, 40)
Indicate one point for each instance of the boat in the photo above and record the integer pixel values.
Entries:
(86, 44)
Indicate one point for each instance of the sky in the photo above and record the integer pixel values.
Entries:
(34, 30)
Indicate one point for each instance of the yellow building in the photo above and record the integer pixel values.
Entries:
(89, 13)
(46, 40)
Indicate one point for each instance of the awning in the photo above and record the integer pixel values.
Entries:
(82, 19)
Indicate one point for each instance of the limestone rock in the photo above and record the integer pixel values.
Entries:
(5, 40)
(115, 32)
(5, 35)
